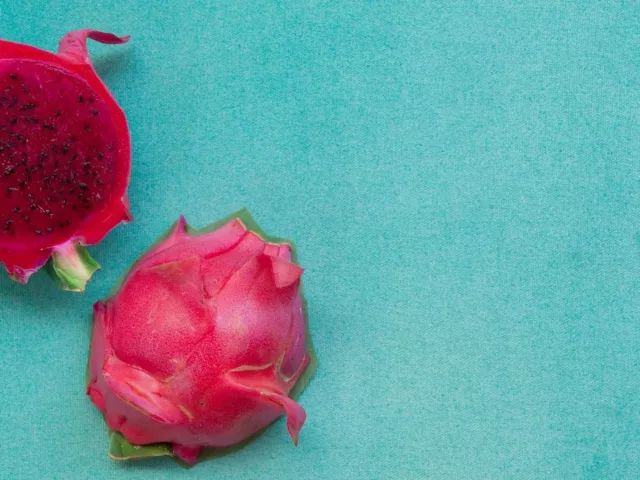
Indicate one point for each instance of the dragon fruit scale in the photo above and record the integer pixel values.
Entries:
(203, 344)
(65, 158)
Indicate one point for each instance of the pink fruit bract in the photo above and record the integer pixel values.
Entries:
(65, 157)
(202, 343)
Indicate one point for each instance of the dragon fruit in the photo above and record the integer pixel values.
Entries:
(202, 345)
(65, 157)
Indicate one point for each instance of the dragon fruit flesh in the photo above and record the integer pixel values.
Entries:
(65, 158)
(203, 342)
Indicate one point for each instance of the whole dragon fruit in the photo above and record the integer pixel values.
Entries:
(202, 344)
(65, 158)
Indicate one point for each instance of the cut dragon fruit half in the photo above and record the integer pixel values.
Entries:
(65, 159)
(225, 348)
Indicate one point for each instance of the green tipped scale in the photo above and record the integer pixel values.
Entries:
(121, 449)
(71, 267)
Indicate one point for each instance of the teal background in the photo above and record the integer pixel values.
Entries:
(461, 179)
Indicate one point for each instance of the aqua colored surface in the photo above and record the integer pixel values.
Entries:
(462, 181)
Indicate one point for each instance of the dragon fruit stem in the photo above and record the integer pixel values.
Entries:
(71, 266)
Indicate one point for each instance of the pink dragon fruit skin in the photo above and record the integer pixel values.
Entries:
(202, 343)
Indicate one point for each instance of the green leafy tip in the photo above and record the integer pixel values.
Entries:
(71, 266)
(121, 449)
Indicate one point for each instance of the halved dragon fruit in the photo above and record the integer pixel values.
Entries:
(203, 345)
(65, 158)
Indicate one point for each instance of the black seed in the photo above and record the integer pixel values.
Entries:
(65, 147)
(27, 106)
(32, 207)
(91, 99)
(56, 164)
(99, 182)
(9, 170)
(16, 209)
(86, 165)
(38, 232)
(83, 186)
(68, 222)
(87, 128)
(12, 76)
(23, 184)
(80, 99)
(30, 195)
(100, 155)
(95, 113)
(74, 138)
(47, 212)
(12, 189)
(49, 199)
(58, 113)
(13, 121)
(61, 225)
(64, 201)
(49, 230)
(26, 218)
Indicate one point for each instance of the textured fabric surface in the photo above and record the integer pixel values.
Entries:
(461, 179)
